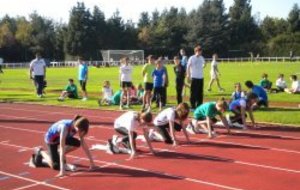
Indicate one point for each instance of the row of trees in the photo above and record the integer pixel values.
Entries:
(235, 33)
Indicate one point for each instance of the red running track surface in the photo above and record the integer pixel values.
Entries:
(265, 158)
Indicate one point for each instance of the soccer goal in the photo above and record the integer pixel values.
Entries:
(113, 57)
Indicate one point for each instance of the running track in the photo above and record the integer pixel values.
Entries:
(266, 158)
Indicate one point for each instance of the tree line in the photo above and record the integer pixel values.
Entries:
(231, 34)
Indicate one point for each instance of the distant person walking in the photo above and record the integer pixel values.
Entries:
(184, 59)
(1, 63)
(37, 72)
(195, 66)
(83, 77)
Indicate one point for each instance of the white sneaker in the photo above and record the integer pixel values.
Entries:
(141, 138)
(84, 99)
(189, 129)
(238, 125)
(70, 167)
(154, 136)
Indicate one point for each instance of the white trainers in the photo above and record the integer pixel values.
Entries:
(70, 167)
(189, 129)
(141, 138)
(154, 136)
(228, 120)
(238, 125)
(84, 99)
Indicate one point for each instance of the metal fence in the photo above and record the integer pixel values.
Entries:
(117, 63)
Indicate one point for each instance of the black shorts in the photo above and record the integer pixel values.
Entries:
(164, 131)
(71, 95)
(262, 103)
(83, 85)
(126, 84)
(148, 86)
(54, 154)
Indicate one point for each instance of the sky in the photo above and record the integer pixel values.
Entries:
(130, 9)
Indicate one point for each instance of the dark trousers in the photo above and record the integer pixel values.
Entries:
(125, 139)
(164, 131)
(158, 95)
(1, 69)
(164, 96)
(179, 88)
(39, 84)
(196, 97)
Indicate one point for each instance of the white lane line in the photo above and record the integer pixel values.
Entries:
(140, 169)
(209, 157)
(32, 180)
(109, 117)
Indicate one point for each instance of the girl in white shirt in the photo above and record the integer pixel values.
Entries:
(280, 83)
(214, 73)
(107, 93)
(126, 80)
(295, 87)
(126, 126)
(168, 121)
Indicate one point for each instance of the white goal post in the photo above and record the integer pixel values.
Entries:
(112, 57)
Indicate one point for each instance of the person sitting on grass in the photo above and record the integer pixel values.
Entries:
(168, 121)
(280, 84)
(107, 94)
(295, 87)
(238, 93)
(260, 92)
(115, 99)
(60, 141)
(204, 118)
(265, 83)
(140, 93)
(70, 91)
(126, 127)
(239, 107)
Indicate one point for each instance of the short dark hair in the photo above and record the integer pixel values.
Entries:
(146, 116)
(71, 80)
(251, 96)
(249, 84)
(294, 77)
(81, 123)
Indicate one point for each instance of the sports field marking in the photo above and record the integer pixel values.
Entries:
(203, 140)
(36, 182)
(137, 168)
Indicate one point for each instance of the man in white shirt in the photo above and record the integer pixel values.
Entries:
(195, 66)
(38, 73)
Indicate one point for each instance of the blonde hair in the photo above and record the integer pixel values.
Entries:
(182, 111)
(222, 103)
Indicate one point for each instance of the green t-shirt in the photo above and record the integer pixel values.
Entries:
(206, 110)
(148, 70)
(265, 83)
(72, 88)
(116, 97)
(140, 93)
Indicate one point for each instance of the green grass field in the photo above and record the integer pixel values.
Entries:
(16, 86)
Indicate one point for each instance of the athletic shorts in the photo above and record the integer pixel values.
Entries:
(126, 84)
(71, 95)
(54, 154)
(148, 86)
(83, 85)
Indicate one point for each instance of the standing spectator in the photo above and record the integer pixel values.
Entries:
(148, 81)
(38, 74)
(260, 92)
(126, 80)
(180, 74)
(295, 88)
(166, 84)
(159, 75)
(184, 59)
(214, 73)
(195, 66)
(291, 55)
(83, 77)
(1, 63)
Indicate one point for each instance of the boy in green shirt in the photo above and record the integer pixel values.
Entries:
(148, 80)
(204, 117)
(70, 91)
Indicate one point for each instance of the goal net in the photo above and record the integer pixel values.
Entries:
(113, 56)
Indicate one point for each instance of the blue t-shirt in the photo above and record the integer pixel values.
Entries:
(184, 61)
(82, 71)
(158, 77)
(53, 134)
(260, 92)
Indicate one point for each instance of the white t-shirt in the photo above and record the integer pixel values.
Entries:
(37, 66)
(296, 86)
(196, 66)
(126, 72)
(213, 69)
(107, 92)
(164, 117)
(127, 120)
(281, 83)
